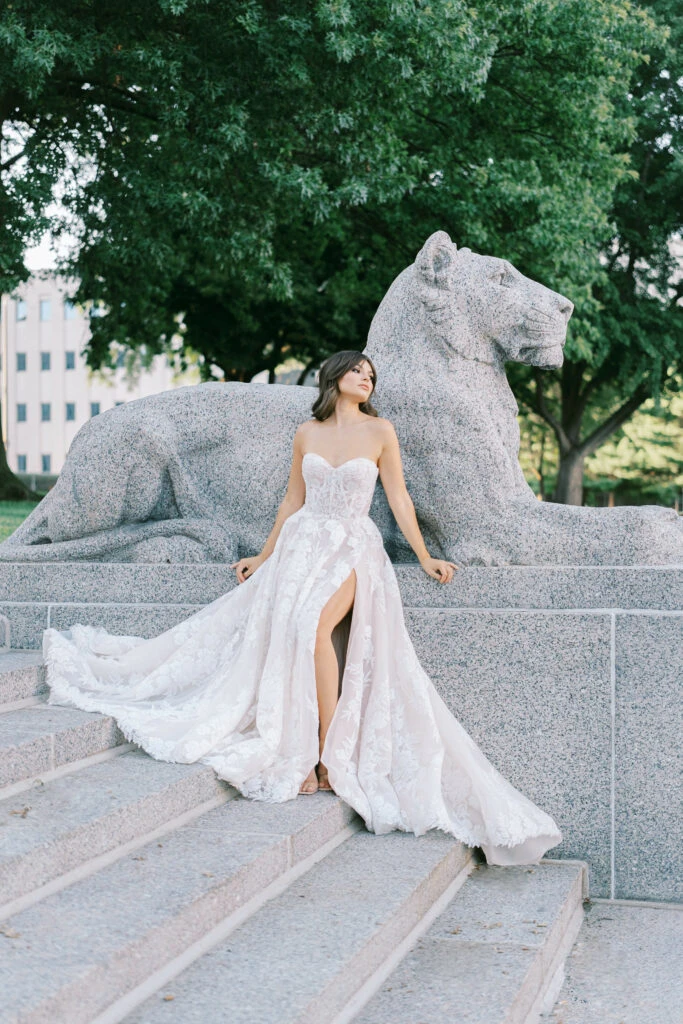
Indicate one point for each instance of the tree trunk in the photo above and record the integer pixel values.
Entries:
(11, 487)
(573, 451)
(569, 486)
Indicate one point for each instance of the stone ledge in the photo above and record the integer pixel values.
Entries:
(625, 587)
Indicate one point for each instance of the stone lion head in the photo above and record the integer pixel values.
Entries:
(477, 307)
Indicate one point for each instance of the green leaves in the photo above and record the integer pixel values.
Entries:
(262, 171)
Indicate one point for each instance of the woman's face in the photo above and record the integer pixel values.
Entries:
(357, 382)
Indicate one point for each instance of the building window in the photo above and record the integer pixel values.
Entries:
(21, 463)
(69, 310)
(45, 360)
(21, 360)
(22, 309)
(45, 309)
(71, 410)
(94, 408)
(45, 411)
(46, 461)
(121, 358)
(21, 412)
(70, 360)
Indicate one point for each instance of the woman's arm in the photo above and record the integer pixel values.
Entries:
(294, 495)
(401, 504)
(292, 501)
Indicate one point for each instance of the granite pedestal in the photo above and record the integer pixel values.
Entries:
(567, 677)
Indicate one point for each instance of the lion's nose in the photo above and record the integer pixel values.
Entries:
(566, 307)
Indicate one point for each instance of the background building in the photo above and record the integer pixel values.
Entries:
(47, 390)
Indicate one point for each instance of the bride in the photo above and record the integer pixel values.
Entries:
(250, 684)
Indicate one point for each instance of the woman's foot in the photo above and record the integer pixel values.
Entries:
(323, 781)
(310, 783)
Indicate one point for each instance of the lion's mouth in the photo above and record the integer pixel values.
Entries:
(544, 356)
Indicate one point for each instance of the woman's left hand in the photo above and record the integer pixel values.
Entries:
(439, 569)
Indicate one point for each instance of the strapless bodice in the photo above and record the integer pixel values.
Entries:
(340, 492)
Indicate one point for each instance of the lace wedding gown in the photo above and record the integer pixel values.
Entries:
(233, 686)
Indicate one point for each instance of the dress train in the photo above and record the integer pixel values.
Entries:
(233, 686)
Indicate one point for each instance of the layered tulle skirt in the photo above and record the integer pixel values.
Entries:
(233, 686)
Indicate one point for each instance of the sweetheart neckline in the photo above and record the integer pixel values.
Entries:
(357, 458)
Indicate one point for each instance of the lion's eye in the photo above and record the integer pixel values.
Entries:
(500, 277)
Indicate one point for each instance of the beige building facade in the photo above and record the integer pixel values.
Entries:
(47, 390)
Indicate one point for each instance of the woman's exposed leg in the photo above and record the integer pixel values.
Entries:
(327, 666)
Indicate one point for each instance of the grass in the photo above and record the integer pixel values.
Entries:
(12, 514)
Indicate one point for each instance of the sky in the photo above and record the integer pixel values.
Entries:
(40, 257)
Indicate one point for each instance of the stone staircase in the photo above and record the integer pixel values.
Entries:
(139, 891)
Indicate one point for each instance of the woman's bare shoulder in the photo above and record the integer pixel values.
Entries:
(303, 432)
(385, 428)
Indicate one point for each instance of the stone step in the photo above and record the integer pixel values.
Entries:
(304, 955)
(40, 739)
(22, 675)
(28, 620)
(626, 966)
(71, 955)
(494, 956)
(59, 826)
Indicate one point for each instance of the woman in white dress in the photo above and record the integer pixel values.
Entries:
(250, 683)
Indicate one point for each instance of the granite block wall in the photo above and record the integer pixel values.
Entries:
(568, 678)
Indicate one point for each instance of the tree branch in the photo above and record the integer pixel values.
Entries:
(121, 100)
(545, 413)
(678, 292)
(534, 133)
(613, 422)
(507, 51)
(12, 160)
(526, 100)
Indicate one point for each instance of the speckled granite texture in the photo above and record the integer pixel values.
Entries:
(656, 587)
(649, 756)
(196, 474)
(490, 956)
(533, 691)
(566, 677)
(626, 967)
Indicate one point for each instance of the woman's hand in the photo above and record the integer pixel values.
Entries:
(439, 569)
(246, 567)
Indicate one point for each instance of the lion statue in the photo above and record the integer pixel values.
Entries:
(196, 474)
(440, 340)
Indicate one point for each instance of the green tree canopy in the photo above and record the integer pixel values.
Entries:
(626, 345)
(259, 171)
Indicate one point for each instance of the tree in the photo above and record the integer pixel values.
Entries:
(12, 488)
(626, 345)
(254, 174)
(504, 126)
(641, 462)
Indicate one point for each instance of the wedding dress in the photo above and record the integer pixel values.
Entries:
(233, 686)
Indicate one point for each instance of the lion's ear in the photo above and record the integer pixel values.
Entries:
(434, 262)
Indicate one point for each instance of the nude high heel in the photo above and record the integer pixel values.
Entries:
(323, 781)
(308, 782)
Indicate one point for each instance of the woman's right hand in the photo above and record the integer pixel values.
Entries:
(439, 568)
(246, 567)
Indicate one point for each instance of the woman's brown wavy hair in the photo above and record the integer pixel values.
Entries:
(334, 367)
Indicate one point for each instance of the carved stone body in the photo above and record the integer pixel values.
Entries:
(196, 474)
(190, 475)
